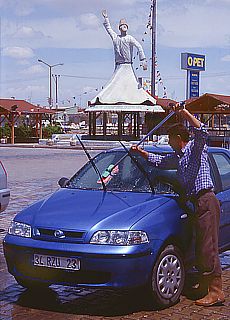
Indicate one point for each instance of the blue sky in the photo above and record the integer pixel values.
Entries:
(71, 32)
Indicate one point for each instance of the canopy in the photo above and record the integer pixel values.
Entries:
(209, 103)
(21, 107)
(125, 108)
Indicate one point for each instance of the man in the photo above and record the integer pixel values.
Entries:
(123, 43)
(193, 171)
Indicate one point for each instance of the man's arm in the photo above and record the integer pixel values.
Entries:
(200, 133)
(107, 25)
(194, 122)
(160, 161)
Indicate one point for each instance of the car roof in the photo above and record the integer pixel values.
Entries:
(158, 148)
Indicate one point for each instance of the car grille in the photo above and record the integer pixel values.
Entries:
(59, 235)
(63, 276)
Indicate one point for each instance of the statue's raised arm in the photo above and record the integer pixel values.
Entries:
(104, 13)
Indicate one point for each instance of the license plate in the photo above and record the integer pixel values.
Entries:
(56, 262)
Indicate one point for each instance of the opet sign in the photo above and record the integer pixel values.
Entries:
(192, 61)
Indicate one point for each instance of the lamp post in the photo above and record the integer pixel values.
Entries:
(153, 69)
(50, 78)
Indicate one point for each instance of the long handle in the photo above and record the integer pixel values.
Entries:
(156, 127)
(148, 134)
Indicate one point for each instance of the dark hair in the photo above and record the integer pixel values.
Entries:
(179, 129)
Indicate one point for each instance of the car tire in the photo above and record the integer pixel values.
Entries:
(30, 284)
(168, 276)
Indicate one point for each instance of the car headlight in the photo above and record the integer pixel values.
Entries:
(121, 238)
(20, 229)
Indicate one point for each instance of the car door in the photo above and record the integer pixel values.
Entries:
(221, 166)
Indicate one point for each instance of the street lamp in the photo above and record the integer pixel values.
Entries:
(50, 78)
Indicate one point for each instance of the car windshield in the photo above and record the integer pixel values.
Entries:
(126, 176)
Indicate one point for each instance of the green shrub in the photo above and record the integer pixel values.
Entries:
(49, 130)
(24, 131)
(5, 131)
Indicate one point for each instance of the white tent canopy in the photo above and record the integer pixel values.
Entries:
(125, 108)
(123, 88)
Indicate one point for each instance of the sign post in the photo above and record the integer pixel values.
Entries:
(193, 63)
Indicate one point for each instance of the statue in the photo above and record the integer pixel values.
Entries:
(123, 86)
(123, 43)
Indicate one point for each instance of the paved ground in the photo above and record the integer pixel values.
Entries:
(33, 173)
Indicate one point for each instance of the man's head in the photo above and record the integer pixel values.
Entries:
(123, 26)
(178, 136)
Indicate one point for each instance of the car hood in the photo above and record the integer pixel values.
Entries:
(85, 209)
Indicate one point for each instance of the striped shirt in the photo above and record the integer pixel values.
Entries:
(192, 165)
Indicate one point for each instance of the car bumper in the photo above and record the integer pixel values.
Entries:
(101, 266)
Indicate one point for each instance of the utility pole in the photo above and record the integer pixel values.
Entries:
(56, 77)
(50, 79)
(153, 70)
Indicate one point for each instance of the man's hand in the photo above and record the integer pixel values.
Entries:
(104, 13)
(178, 107)
(142, 152)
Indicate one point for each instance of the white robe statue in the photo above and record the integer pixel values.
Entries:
(123, 86)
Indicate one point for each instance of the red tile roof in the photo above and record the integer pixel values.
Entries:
(21, 106)
(209, 103)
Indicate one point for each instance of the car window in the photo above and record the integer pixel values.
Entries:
(223, 165)
(126, 176)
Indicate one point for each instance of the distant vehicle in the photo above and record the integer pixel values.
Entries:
(4, 191)
(127, 227)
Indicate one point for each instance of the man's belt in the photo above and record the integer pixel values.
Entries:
(200, 193)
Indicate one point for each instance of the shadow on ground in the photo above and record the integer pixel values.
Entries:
(78, 301)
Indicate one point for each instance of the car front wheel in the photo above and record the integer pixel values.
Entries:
(168, 277)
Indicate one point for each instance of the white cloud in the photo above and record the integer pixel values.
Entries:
(18, 52)
(23, 62)
(180, 24)
(226, 58)
(63, 33)
(23, 91)
(22, 8)
(35, 69)
(88, 21)
(27, 32)
(195, 26)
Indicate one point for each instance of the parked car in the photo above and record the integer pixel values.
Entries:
(4, 191)
(131, 230)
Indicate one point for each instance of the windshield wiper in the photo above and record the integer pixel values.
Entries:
(139, 166)
(92, 162)
(147, 135)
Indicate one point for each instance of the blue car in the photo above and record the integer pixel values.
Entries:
(119, 222)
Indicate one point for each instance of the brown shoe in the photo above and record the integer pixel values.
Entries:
(215, 294)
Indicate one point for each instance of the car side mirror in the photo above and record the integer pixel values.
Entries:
(63, 182)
